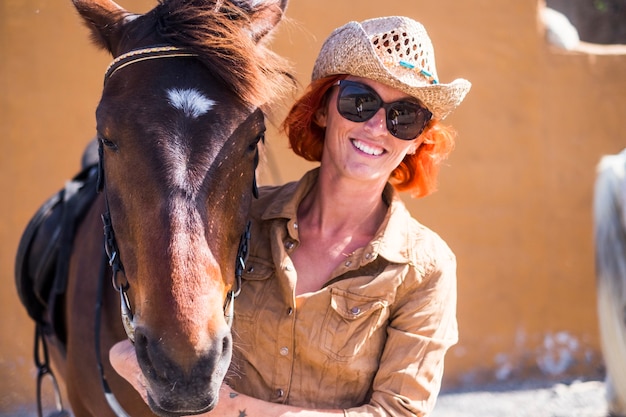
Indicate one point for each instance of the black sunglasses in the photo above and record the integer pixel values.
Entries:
(359, 102)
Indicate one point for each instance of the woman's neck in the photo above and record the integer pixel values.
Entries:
(340, 207)
(334, 219)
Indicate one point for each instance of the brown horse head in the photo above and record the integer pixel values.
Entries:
(178, 125)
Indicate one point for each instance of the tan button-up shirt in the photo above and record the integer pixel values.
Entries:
(372, 341)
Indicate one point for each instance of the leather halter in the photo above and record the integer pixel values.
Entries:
(110, 243)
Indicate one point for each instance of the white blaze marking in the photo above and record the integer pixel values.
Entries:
(191, 102)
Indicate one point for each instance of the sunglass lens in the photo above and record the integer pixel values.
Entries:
(406, 120)
(357, 104)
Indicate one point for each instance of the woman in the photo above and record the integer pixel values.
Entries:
(348, 304)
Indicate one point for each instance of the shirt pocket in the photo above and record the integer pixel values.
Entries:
(254, 284)
(353, 326)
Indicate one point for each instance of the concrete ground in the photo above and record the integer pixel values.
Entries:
(526, 399)
(521, 399)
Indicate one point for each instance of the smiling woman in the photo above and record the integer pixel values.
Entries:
(416, 172)
(348, 304)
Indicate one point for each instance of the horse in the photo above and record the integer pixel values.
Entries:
(609, 210)
(179, 125)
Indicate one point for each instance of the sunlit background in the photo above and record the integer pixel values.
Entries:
(514, 199)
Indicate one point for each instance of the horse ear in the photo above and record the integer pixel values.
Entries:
(265, 16)
(103, 18)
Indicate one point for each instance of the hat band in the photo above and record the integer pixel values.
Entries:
(422, 71)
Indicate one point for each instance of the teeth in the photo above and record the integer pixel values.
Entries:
(370, 150)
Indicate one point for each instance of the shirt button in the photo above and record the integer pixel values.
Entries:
(289, 267)
(289, 311)
(284, 351)
(289, 245)
(280, 393)
(348, 263)
(250, 269)
(295, 225)
(368, 255)
(355, 310)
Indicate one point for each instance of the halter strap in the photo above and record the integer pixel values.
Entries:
(144, 54)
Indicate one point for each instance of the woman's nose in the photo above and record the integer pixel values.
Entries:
(377, 125)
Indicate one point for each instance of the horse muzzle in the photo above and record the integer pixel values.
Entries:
(184, 385)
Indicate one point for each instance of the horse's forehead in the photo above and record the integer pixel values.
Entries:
(191, 102)
(198, 112)
(186, 161)
(161, 105)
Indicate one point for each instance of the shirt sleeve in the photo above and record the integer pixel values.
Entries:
(422, 327)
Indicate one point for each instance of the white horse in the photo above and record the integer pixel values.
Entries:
(610, 247)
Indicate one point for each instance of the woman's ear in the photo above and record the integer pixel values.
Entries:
(320, 116)
(415, 146)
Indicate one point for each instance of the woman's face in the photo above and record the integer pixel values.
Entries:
(364, 151)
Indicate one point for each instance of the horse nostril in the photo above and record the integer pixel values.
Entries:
(140, 338)
(142, 349)
(141, 345)
(226, 344)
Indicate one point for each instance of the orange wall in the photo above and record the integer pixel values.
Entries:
(514, 200)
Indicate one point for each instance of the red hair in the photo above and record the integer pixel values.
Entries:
(417, 173)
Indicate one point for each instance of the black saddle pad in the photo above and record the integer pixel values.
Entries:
(42, 258)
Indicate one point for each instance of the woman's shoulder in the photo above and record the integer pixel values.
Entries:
(270, 192)
(272, 198)
(410, 236)
(420, 234)
(425, 251)
(429, 261)
(281, 201)
(424, 240)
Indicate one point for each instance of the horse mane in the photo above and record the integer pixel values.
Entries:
(219, 33)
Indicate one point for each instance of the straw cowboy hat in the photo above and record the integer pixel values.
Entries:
(395, 51)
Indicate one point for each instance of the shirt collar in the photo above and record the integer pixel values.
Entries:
(391, 241)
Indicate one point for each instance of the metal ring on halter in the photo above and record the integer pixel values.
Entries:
(229, 308)
(127, 315)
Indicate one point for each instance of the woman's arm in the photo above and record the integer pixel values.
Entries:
(231, 403)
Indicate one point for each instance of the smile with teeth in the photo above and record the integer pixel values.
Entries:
(368, 149)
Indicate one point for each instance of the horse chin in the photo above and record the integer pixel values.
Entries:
(168, 402)
(163, 411)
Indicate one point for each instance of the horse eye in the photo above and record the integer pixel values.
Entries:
(109, 144)
(259, 138)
